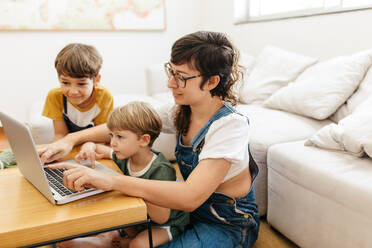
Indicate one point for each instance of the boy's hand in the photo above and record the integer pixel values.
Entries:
(88, 152)
(55, 150)
(76, 177)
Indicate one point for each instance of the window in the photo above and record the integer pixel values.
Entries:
(264, 10)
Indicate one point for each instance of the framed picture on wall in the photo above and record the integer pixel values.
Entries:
(70, 15)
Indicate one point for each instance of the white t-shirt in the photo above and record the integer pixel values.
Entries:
(226, 138)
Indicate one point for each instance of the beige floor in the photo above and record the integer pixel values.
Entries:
(270, 238)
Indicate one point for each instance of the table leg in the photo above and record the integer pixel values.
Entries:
(150, 231)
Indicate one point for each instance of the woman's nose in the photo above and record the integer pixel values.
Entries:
(172, 83)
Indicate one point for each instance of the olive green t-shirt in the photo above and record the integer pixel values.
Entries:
(161, 169)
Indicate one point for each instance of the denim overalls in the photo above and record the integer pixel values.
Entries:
(221, 221)
(72, 127)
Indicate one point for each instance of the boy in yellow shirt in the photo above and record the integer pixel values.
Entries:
(80, 102)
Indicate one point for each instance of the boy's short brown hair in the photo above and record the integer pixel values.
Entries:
(137, 117)
(78, 61)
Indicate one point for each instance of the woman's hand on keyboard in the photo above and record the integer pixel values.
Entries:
(77, 177)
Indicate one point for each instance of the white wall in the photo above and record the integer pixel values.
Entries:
(322, 36)
(27, 58)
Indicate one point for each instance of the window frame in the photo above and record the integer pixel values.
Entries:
(245, 18)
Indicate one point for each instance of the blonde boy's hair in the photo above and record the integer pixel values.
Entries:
(78, 61)
(137, 117)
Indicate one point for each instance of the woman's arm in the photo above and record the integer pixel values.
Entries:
(62, 147)
(187, 196)
(158, 214)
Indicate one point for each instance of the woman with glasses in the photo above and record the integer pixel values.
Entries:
(212, 148)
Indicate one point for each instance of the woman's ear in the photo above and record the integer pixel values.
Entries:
(213, 81)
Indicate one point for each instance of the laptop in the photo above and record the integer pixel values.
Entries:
(47, 181)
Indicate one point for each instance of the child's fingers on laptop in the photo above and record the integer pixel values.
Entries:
(81, 158)
(56, 150)
(50, 156)
(93, 160)
(86, 159)
(40, 151)
(92, 157)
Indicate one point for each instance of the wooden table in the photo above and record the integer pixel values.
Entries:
(3, 140)
(27, 217)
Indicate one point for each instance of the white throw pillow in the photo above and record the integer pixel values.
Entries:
(247, 61)
(322, 88)
(352, 134)
(156, 79)
(361, 94)
(274, 68)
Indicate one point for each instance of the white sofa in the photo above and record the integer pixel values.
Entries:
(315, 197)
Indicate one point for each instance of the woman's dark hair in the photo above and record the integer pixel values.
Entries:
(211, 53)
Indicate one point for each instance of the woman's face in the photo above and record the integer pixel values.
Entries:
(191, 94)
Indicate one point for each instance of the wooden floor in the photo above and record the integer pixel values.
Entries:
(267, 238)
(3, 141)
(270, 238)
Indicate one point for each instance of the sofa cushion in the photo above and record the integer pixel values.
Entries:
(326, 194)
(41, 128)
(273, 69)
(247, 61)
(322, 88)
(164, 97)
(353, 134)
(156, 79)
(268, 127)
(361, 94)
(338, 176)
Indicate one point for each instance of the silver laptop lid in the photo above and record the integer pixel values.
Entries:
(23, 147)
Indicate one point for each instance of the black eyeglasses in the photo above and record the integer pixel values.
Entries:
(180, 80)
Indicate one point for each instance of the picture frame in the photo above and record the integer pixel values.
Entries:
(82, 15)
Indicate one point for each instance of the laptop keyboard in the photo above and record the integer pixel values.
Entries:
(55, 179)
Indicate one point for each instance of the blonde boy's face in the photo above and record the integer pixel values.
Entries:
(78, 91)
(125, 143)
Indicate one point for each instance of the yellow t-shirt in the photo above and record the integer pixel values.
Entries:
(97, 112)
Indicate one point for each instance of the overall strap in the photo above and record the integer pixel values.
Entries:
(225, 110)
(64, 104)
(198, 140)
(253, 167)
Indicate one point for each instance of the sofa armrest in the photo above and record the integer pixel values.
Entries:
(41, 128)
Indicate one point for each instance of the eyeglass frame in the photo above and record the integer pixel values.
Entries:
(168, 69)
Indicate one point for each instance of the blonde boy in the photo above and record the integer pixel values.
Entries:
(133, 129)
(80, 102)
